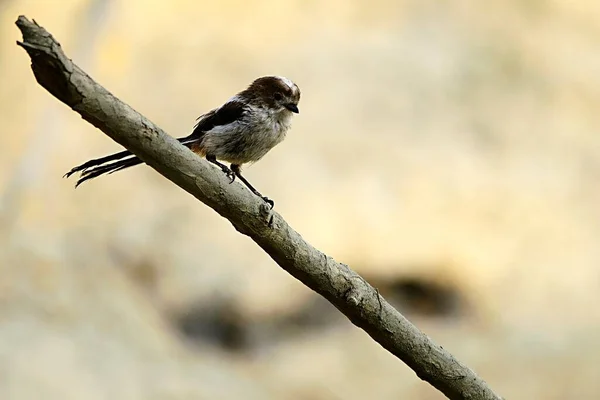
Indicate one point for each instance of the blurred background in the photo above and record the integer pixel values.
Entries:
(448, 151)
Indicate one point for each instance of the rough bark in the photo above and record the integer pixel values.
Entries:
(335, 281)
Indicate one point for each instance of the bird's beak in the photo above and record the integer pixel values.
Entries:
(292, 107)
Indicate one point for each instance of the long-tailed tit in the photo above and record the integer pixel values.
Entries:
(241, 131)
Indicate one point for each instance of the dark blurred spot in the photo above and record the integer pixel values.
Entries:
(421, 296)
(219, 324)
(223, 325)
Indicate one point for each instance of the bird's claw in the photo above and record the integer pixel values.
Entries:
(230, 174)
(268, 201)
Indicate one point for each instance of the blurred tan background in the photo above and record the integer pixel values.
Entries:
(448, 151)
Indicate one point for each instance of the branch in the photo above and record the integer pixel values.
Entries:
(344, 288)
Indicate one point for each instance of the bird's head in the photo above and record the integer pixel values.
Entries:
(274, 92)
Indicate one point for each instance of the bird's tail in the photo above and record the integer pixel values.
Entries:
(113, 163)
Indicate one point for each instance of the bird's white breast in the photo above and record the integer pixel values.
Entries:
(249, 139)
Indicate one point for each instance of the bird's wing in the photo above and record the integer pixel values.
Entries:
(229, 112)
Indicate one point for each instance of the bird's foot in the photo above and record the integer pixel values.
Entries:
(229, 174)
(268, 201)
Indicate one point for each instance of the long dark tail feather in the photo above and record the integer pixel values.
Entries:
(98, 161)
(124, 159)
(107, 169)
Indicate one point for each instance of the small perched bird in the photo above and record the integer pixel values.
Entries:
(241, 131)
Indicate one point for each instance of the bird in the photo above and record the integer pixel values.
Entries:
(241, 131)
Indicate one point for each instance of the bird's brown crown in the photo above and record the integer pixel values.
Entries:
(273, 91)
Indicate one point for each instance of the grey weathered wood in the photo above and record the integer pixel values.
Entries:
(344, 288)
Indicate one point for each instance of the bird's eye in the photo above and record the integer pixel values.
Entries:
(278, 96)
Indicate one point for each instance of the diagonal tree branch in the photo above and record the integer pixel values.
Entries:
(345, 289)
